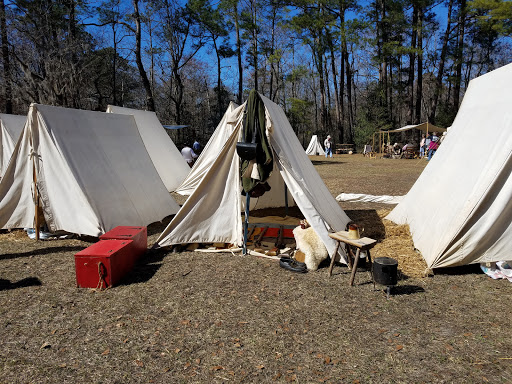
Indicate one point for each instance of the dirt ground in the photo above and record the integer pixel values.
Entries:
(220, 318)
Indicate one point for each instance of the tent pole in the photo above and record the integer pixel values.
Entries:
(246, 222)
(36, 201)
(285, 200)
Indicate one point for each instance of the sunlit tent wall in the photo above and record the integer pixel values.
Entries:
(314, 147)
(166, 158)
(212, 213)
(460, 209)
(210, 151)
(11, 127)
(92, 173)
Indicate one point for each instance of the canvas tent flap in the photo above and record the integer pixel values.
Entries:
(93, 174)
(459, 210)
(305, 184)
(314, 147)
(211, 150)
(212, 212)
(166, 158)
(11, 127)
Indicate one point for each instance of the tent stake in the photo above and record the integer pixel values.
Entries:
(246, 222)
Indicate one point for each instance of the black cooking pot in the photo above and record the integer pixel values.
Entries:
(385, 271)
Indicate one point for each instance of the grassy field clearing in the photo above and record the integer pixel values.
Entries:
(194, 317)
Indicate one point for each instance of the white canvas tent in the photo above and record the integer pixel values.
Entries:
(314, 147)
(166, 158)
(460, 209)
(92, 173)
(10, 130)
(212, 212)
(210, 151)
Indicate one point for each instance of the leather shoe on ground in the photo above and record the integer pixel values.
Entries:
(292, 265)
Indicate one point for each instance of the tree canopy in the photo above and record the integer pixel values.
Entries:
(341, 67)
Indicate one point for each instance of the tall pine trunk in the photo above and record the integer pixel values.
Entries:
(459, 55)
(442, 61)
(339, 125)
(6, 60)
(239, 55)
(150, 103)
(412, 61)
(349, 138)
(419, 87)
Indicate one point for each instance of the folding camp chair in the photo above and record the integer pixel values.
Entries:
(409, 153)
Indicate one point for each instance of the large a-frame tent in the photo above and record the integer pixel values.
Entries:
(167, 159)
(212, 213)
(92, 173)
(11, 127)
(314, 147)
(210, 151)
(460, 209)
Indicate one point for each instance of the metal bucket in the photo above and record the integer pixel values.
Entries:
(385, 271)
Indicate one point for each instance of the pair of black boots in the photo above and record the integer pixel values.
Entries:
(292, 265)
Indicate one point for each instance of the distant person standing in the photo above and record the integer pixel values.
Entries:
(432, 147)
(328, 146)
(427, 142)
(196, 147)
(189, 155)
(422, 146)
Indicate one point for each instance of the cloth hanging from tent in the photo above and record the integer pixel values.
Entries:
(361, 197)
(264, 162)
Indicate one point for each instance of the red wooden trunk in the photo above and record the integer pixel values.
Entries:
(104, 264)
(138, 235)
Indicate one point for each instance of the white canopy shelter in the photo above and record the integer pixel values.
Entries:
(314, 147)
(92, 173)
(424, 127)
(460, 209)
(11, 127)
(166, 158)
(212, 212)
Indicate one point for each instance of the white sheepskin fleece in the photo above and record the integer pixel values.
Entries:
(311, 245)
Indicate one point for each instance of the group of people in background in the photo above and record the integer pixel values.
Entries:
(429, 145)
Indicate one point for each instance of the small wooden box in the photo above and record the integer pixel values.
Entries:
(104, 264)
(138, 236)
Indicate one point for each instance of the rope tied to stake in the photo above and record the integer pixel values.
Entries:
(102, 273)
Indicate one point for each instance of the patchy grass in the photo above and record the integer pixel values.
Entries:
(190, 317)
